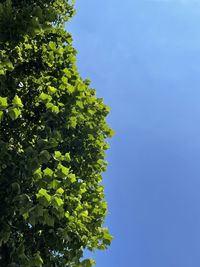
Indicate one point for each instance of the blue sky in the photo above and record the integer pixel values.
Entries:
(143, 58)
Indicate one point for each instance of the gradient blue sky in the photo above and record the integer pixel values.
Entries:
(143, 58)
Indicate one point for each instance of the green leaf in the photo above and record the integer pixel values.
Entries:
(25, 215)
(58, 201)
(70, 88)
(37, 174)
(52, 90)
(67, 215)
(72, 177)
(67, 73)
(14, 113)
(62, 171)
(52, 108)
(67, 157)
(79, 104)
(43, 193)
(60, 191)
(37, 260)
(58, 155)
(111, 133)
(73, 122)
(1, 116)
(64, 80)
(52, 46)
(87, 263)
(54, 184)
(9, 66)
(44, 97)
(2, 72)
(48, 173)
(3, 102)
(17, 102)
(81, 87)
(84, 213)
(107, 236)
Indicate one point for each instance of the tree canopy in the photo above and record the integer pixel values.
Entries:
(53, 137)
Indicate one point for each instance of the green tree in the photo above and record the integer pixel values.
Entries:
(53, 135)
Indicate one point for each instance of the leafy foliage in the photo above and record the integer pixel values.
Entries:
(52, 142)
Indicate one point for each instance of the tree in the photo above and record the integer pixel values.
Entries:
(53, 136)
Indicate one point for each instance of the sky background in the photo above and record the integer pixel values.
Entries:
(143, 58)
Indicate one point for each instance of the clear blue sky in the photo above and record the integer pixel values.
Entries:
(143, 58)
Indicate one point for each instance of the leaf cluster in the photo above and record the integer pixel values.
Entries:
(53, 135)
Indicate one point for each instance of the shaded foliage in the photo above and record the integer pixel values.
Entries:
(52, 142)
